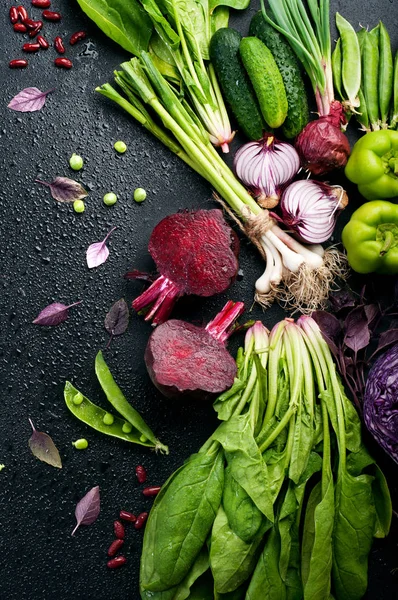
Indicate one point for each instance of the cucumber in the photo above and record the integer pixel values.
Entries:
(235, 83)
(266, 79)
(289, 67)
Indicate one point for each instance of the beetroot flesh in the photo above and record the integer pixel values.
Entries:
(185, 360)
(195, 253)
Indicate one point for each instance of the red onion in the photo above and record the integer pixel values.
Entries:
(322, 146)
(310, 209)
(265, 167)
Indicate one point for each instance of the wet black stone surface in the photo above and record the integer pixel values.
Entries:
(42, 254)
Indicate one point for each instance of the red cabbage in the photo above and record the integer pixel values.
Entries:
(380, 408)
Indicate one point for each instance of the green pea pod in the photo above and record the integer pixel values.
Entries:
(336, 69)
(370, 69)
(116, 397)
(385, 75)
(394, 110)
(351, 60)
(362, 116)
(93, 415)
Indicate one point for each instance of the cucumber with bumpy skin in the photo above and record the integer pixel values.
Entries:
(235, 83)
(266, 79)
(289, 67)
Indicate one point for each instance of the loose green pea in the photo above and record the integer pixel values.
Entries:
(76, 162)
(139, 195)
(108, 419)
(127, 427)
(110, 199)
(120, 147)
(81, 444)
(78, 398)
(78, 206)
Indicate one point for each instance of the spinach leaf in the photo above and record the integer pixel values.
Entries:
(124, 22)
(302, 442)
(266, 581)
(352, 537)
(238, 594)
(232, 560)
(202, 589)
(244, 517)
(245, 461)
(199, 567)
(309, 531)
(185, 516)
(276, 467)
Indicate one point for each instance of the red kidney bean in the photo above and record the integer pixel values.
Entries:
(127, 516)
(50, 15)
(59, 45)
(14, 16)
(31, 24)
(18, 63)
(20, 28)
(118, 529)
(29, 47)
(33, 32)
(141, 520)
(76, 37)
(115, 547)
(63, 63)
(153, 490)
(22, 13)
(141, 474)
(114, 563)
(41, 3)
(43, 42)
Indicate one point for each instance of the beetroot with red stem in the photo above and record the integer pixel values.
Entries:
(185, 360)
(195, 253)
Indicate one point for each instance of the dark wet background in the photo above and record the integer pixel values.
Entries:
(42, 251)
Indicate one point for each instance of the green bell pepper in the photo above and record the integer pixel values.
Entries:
(373, 164)
(371, 238)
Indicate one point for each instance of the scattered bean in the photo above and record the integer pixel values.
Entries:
(18, 63)
(33, 32)
(14, 16)
(119, 530)
(81, 444)
(120, 147)
(22, 13)
(127, 516)
(50, 15)
(20, 28)
(43, 42)
(63, 63)
(110, 199)
(117, 562)
(141, 519)
(153, 490)
(140, 472)
(139, 195)
(78, 206)
(31, 24)
(76, 162)
(59, 45)
(30, 47)
(77, 37)
(115, 547)
(41, 3)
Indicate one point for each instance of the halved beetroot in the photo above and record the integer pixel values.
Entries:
(183, 359)
(195, 253)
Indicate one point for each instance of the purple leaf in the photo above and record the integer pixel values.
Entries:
(54, 314)
(117, 319)
(64, 189)
(29, 100)
(330, 328)
(341, 300)
(88, 508)
(372, 314)
(386, 339)
(43, 448)
(357, 334)
(98, 252)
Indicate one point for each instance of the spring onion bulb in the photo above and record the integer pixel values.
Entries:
(310, 209)
(265, 166)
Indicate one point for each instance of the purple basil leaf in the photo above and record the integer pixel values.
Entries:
(54, 314)
(64, 189)
(98, 252)
(330, 328)
(357, 334)
(42, 446)
(88, 508)
(29, 100)
(341, 300)
(117, 319)
(386, 339)
(373, 315)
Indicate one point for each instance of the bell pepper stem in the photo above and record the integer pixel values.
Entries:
(388, 240)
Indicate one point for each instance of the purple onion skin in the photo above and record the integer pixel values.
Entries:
(380, 408)
(322, 146)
